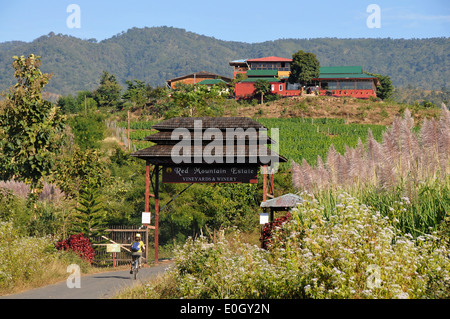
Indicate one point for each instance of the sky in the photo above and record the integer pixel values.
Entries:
(231, 20)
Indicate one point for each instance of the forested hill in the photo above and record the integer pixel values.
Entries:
(160, 53)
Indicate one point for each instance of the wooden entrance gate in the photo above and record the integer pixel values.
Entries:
(239, 145)
(124, 236)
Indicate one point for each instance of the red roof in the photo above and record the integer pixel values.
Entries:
(270, 59)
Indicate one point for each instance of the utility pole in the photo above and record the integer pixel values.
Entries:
(129, 140)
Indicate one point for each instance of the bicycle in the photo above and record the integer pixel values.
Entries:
(135, 266)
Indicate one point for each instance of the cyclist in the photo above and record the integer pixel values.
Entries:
(137, 254)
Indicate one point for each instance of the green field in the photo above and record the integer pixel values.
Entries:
(307, 138)
(300, 138)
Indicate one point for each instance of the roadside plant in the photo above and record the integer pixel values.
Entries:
(30, 127)
(79, 244)
(402, 157)
(22, 258)
(406, 167)
(355, 252)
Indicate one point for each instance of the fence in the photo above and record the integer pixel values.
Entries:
(121, 134)
(124, 236)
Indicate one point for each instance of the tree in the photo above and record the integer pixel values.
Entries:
(304, 67)
(30, 127)
(138, 92)
(108, 93)
(83, 101)
(76, 171)
(88, 129)
(262, 87)
(89, 217)
(385, 88)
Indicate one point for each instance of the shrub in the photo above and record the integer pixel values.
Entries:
(227, 268)
(405, 165)
(79, 244)
(88, 129)
(354, 253)
(357, 253)
(22, 259)
(267, 231)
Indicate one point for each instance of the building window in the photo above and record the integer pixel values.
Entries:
(272, 87)
(346, 85)
(293, 86)
(364, 85)
(332, 85)
(280, 87)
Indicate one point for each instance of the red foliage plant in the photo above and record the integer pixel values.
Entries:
(80, 245)
(268, 228)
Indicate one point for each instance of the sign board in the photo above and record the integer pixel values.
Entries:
(146, 217)
(210, 174)
(263, 218)
(113, 248)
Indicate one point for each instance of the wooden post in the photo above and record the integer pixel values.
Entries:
(264, 183)
(156, 213)
(272, 186)
(129, 140)
(147, 187)
(146, 245)
(147, 203)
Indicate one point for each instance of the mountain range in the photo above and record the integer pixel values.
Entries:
(156, 54)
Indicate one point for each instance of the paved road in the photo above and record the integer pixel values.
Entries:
(96, 286)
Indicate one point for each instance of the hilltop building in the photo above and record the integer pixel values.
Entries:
(196, 78)
(274, 69)
(346, 81)
(334, 81)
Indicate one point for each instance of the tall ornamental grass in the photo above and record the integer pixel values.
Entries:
(407, 169)
(354, 253)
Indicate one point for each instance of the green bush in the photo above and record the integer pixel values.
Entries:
(358, 253)
(88, 129)
(353, 253)
(22, 259)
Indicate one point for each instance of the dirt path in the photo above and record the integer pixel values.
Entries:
(96, 286)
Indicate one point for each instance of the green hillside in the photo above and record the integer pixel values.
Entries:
(157, 54)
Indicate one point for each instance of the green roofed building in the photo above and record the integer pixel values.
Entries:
(333, 80)
(346, 81)
(212, 82)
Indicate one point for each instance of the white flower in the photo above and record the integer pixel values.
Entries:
(402, 295)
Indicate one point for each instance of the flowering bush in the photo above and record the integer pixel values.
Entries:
(228, 268)
(405, 164)
(357, 253)
(268, 229)
(80, 245)
(354, 252)
(22, 258)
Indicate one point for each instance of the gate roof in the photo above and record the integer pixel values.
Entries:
(283, 202)
(208, 122)
(242, 151)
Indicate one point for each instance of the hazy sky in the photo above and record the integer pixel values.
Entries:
(231, 20)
